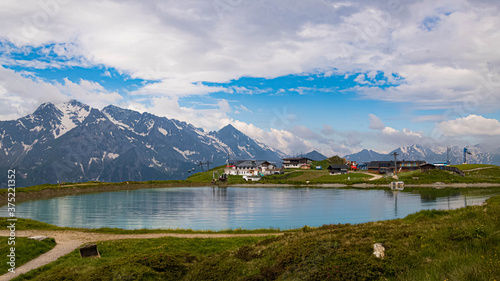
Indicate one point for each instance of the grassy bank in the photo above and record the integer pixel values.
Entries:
(461, 244)
(28, 224)
(26, 250)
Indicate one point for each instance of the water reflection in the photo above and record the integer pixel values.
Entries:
(250, 208)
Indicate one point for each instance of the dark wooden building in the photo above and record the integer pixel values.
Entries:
(427, 167)
(384, 167)
(295, 162)
(338, 169)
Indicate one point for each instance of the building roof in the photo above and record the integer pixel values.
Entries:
(296, 158)
(248, 163)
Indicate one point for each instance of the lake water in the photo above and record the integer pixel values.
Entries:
(213, 208)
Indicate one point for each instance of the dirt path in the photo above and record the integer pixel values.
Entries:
(482, 168)
(68, 241)
(374, 176)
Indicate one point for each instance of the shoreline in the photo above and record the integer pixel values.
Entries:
(77, 190)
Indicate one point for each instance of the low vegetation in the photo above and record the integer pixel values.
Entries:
(26, 250)
(334, 160)
(350, 178)
(461, 244)
(141, 259)
(465, 167)
(489, 175)
(29, 224)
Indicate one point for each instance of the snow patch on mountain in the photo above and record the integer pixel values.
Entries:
(185, 153)
(162, 131)
(113, 155)
(71, 115)
(175, 123)
(156, 162)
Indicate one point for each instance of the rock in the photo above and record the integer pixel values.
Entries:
(378, 250)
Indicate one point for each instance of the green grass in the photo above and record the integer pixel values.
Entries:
(139, 259)
(465, 167)
(26, 250)
(207, 176)
(287, 175)
(88, 185)
(461, 244)
(491, 175)
(350, 178)
(29, 224)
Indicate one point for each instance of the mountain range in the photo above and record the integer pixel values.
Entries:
(72, 142)
(479, 154)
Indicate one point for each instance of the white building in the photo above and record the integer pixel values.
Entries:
(296, 162)
(251, 168)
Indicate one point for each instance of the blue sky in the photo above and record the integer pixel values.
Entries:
(332, 76)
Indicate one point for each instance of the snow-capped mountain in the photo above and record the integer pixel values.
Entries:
(243, 147)
(479, 154)
(72, 142)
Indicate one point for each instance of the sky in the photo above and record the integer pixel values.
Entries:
(331, 76)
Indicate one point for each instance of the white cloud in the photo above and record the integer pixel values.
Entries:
(242, 109)
(470, 125)
(391, 137)
(20, 95)
(360, 79)
(290, 142)
(375, 122)
(452, 65)
(181, 43)
(327, 130)
(89, 92)
(208, 119)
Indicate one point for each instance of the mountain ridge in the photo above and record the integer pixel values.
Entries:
(480, 154)
(72, 142)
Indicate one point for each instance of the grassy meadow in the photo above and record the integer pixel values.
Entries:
(26, 250)
(462, 244)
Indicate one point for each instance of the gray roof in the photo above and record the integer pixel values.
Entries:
(249, 163)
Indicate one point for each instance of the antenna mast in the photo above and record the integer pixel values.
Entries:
(395, 162)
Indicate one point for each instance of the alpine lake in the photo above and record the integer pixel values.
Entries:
(214, 208)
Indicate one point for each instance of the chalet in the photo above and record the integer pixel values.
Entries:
(251, 168)
(384, 167)
(338, 169)
(296, 162)
(426, 167)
